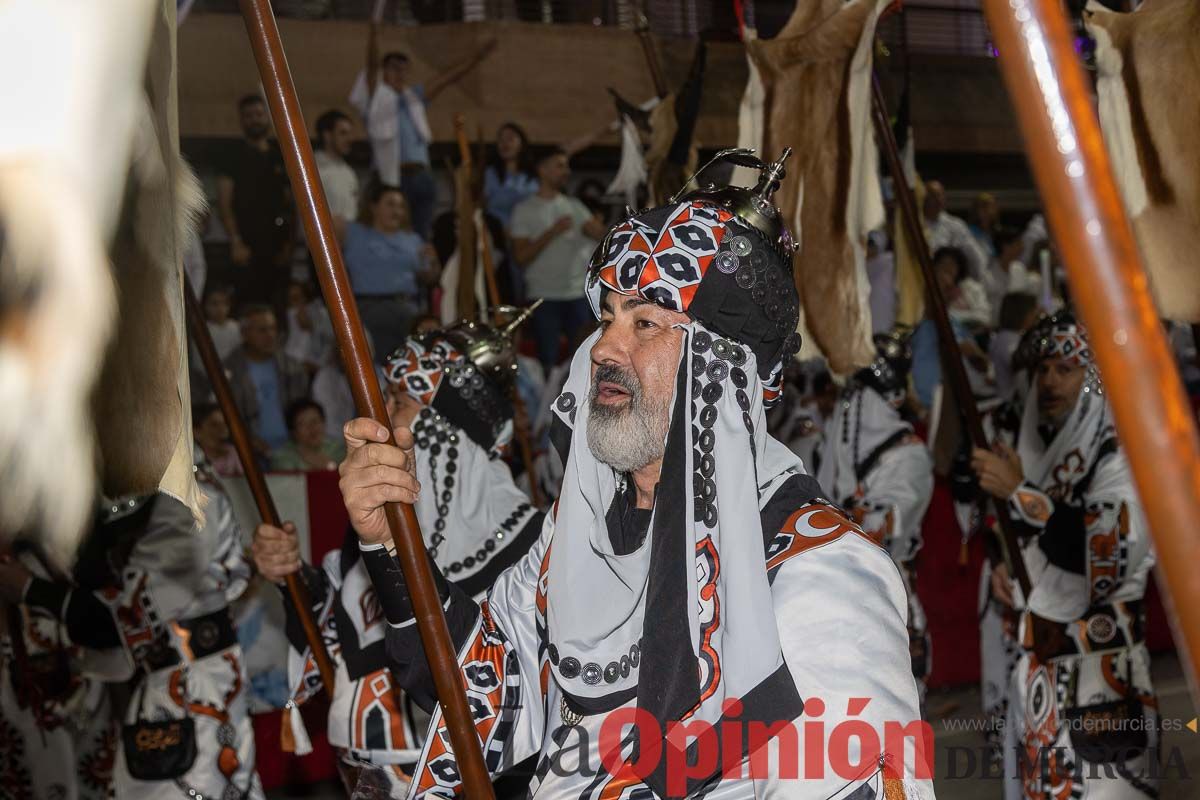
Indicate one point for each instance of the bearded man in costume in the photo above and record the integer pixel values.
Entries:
(881, 472)
(1082, 717)
(477, 524)
(691, 571)
(149, 605)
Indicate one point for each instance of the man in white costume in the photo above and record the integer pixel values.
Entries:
(881, 473)
(1083, 719)
(692, 578)
(476, 522)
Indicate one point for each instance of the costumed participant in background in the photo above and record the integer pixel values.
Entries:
(151, 605)
(57, 737)
(449, 387)
(690, 561)
(795, 420)
(882, 474)
(1083, 656)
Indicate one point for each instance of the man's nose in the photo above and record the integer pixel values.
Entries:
(610, 348)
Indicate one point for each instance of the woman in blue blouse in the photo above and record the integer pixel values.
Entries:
(509, 178)
(388, 264)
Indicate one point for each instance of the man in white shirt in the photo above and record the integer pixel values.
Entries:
(393, 109)
(554, 235)
(946, 230)
(338, 178)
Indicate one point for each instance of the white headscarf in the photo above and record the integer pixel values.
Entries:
(1057, 466)
(469, 509)
(862, 422)
(696, 591)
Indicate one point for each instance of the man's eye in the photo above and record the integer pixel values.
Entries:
(645, 323)
(604, 323)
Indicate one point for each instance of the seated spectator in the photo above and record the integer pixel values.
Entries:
(211, 435)
(331, 389)
(943, 229)
(309, 329)
(265, 381)
(1018, 312)
(968, 301)
(309, 448)
(1007, 274)
(387, 263)
(926, 364)
(224, 330)
(982, 221)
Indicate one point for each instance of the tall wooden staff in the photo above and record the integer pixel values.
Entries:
(952, 362)
(267, 511)
(368, 398)
(464, 202)
(493, 289)
(467, 205)
(1108, 282)
(652, 62)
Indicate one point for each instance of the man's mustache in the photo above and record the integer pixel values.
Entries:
(608, 373)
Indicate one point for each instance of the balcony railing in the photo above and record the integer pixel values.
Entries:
(948, 27)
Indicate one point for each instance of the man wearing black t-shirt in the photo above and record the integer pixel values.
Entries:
(256, 208)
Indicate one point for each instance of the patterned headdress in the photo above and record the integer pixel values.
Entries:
(436, 373)
(1058, 335)
(722, 256)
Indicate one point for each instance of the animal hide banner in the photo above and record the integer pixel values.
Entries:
(816, 75)
(88, 171)
(142, 402)
(75, 72)
(1147, 63)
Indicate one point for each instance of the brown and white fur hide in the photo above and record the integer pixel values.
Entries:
(88, 83)
(817, 100)
(1149, 101)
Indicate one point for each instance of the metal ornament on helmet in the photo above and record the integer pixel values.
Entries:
(492, 350)
(888, 373)
(722, 255)
(476, 361)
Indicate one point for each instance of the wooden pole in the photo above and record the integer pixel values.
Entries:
(484, 242)
(464, 203)
(296, 590)
(954, 374)
(521, 414)
(652, 62)
(364, 384)
(1154, 420)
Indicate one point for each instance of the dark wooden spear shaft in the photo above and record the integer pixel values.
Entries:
(952, 362)
(364, 384)
(652, 62)
(240, 436)
(484, 242)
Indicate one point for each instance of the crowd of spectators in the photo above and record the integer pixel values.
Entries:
(398, 240)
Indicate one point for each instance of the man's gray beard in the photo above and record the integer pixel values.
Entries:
(629, 437)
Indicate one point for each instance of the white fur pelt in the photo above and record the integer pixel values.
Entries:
(1149, 104)
(89, 104)
(816, 99)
